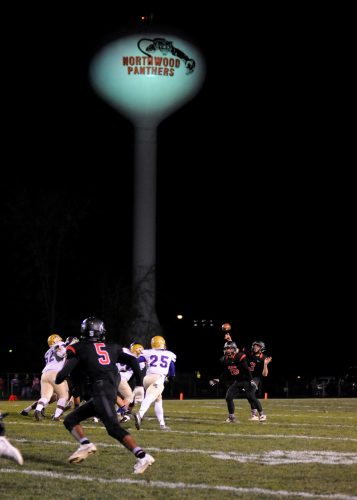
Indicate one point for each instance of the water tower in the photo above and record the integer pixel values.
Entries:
(146, 77)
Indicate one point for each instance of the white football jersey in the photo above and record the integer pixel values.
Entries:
(55, 357)
(125, 371)
(158, 360)
(126, 375)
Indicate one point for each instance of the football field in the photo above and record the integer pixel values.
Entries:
(307, 448)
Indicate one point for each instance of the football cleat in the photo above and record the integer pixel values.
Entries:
(143, 463)
(254, 417)
(82, 453)
(24, 413)
(231, 420)
(124, 419)
(164, 427)
(38, 415)
(262, 418)
(137, 419)
(9, 451)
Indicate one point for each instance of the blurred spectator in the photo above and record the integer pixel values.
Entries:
(36, 388)
(16, 385)
(325, 386)
(2, 388)
(26, 387)
(349, 382)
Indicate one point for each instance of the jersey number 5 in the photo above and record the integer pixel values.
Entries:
(103, 356)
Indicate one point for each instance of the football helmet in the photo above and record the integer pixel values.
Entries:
(230, 349)
(93, 328)
(52, 339)
(136, 349)
(158, 342)
(260, 343)
(226, 327)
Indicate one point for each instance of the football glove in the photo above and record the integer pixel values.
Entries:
(253, 384)
(71, 341)
(213, 382)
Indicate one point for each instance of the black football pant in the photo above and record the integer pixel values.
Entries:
(234, 391)
(101, 405)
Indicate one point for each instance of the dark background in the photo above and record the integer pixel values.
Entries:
(255, 221)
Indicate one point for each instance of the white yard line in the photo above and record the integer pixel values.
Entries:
(273, 457)
(197, 433)
(144, 483)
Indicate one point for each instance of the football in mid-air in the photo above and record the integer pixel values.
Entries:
(226, 327)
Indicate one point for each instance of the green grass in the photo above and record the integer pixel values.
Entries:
(307, 448)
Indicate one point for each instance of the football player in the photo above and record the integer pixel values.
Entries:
(258, 365)
(236, 372)
(7, 450)
(98, 359)
(74, 399)
(128, 396)
(160, 365)
(55, 358)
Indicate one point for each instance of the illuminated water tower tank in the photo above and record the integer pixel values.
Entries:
(146, 77)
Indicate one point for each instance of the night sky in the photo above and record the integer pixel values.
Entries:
(255, 214)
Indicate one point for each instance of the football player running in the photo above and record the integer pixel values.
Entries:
(160, 365)
(98, 359)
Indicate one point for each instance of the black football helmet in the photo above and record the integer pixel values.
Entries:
(260, 343)
(93, 328)
(230, 349)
